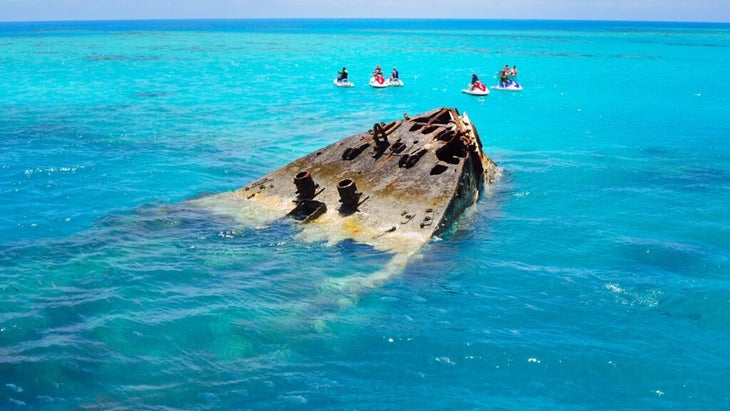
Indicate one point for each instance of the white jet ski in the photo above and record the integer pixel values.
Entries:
(344, 83)
(509, 85)
(378, 82)
(395, 82)
(479, 89)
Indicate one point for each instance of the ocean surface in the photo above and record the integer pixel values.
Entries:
(593, 276)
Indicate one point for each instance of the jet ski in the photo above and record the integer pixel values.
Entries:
(479, 89)
(378, 82)
(343, 83)
(509, 85)
(395, 82)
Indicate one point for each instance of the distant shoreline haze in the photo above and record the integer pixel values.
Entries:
(353, 23)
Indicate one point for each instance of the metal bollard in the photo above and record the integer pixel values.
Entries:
(305, 185)
(349, 196)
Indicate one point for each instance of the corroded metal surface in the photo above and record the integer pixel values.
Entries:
(394, 186)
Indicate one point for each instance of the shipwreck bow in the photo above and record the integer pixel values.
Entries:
(393, 186)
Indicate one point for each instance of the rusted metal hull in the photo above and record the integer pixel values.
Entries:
(394, 186)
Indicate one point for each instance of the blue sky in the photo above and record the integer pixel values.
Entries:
(651, 10)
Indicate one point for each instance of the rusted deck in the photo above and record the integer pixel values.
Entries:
(394, 186)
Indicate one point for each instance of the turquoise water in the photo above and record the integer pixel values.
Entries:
(593, 276)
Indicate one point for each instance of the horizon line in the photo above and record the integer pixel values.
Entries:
(359, 18)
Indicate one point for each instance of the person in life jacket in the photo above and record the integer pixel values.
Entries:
(475, 83)
(394, 75)
(504, 78)
(378, 74)
(342, 75)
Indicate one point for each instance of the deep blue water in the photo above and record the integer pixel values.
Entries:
(593, 275)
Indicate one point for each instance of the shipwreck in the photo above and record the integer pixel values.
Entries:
(394, 186)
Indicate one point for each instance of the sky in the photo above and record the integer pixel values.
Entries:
(641, 10)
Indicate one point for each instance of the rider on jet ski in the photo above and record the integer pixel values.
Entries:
(342, 75)
(475, 83)
(394, 75)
